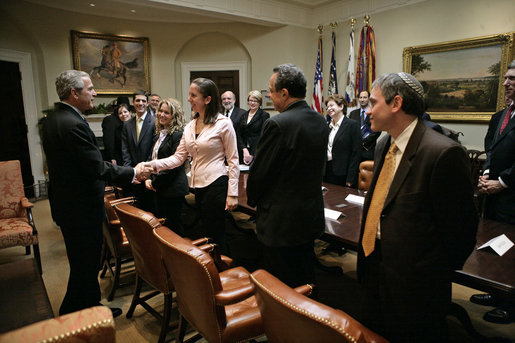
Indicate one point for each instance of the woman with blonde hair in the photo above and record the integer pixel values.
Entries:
(251, 125)
(170, 186)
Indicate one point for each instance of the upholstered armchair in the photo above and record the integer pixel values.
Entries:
(17, 226)
(289, 316)
(218, 304)
(94, 324)
(366, 170)
(116, 250)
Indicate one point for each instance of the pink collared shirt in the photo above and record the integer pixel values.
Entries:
(215, 144)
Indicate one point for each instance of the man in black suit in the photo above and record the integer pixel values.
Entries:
(137, 140)
(285, 180)
(419, 219)
(498, 183)
(368, 136)
(153, 103)
(231, 111)
(77, 173)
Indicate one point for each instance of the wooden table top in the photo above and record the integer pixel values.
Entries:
(484, 269)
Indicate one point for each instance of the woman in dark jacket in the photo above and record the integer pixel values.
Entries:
(112, 133)
(251, 125)
(170, 186)
(344, 145)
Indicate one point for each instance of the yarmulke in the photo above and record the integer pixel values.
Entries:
(416, 86)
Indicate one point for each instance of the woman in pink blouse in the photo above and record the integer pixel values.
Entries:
(210, 140)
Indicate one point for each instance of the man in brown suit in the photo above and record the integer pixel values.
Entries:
(419, 220)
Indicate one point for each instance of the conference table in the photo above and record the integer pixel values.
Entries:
(484, 270)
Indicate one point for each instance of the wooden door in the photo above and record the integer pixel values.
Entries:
(226, 80)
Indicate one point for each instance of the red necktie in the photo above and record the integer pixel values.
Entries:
(506, 118)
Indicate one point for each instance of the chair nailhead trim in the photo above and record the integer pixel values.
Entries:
(57, 338)
(306, 313)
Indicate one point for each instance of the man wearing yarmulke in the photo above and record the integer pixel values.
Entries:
(419, 220)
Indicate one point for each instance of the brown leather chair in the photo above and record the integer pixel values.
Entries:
(292, 317)
(116, 245)
(138, 226)
(218, 304)
(17, 226)
(366, 170)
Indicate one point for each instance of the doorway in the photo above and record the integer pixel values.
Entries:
(226, 80)
(14, 144)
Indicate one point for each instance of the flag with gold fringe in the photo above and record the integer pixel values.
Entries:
(366, 71)
(351, 82)
(318, 98)
(333, 81)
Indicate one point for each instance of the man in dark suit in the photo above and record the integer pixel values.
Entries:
(77, 173)
(368, 136)
(285, 181)
(137, 140)
(230, 110)
(419, 220)
(498, 183)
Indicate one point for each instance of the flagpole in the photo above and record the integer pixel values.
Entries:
(318, 98)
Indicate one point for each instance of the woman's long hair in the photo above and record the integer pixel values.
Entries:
(178, 122)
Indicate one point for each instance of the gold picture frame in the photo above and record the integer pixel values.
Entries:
(117, 64)
(462, 79)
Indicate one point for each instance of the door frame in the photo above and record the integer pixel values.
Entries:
(30, 108)
(188, 67)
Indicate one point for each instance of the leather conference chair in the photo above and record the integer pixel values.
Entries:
(218, 304)
(94, 324)
(476, 158)
(138, 226)
(17, 226)
(289, 316)
(366, 170)
(116, 250)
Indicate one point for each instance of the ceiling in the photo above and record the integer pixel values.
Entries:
(303, 13)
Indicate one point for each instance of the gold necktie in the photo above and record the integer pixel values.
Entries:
(378, 198)
(139, 124)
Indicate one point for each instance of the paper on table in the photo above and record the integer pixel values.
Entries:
(499, 244)
(244, 167)
(331, 214)
(355, 199)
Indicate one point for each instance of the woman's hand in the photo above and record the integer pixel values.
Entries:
(231, 202)
(148, 184)
(247, 157)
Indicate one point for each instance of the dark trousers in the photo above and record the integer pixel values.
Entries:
(293, 265)
(332, 178)
(211, 202)
(83, 247)
(170, 208)
(404, 308)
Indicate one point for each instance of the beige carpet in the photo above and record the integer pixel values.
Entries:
(144, 328)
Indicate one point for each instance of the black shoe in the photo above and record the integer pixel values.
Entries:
(485, 300)
(116, 311)
(499, 316)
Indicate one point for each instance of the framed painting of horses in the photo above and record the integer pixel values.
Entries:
(117, 64)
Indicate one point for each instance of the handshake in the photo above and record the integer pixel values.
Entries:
(143, 171)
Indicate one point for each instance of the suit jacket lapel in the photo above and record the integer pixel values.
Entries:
(132, 128)
(499, 136)
(405, 164)
(341, 129)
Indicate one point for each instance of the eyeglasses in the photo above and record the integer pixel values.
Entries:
(254, 101)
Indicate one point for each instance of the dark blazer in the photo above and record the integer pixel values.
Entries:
(77, 170)
(248, 134)
(112, 136)
(492, 128)
(133, 151)
(172, 182)
(285, 180)
(369, 142)
(346, 151)
(236, 115)
(500, 160)
(428, 223)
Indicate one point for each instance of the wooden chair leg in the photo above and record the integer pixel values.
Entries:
(116, 281)
(37, 256)
(135, 297)
(181, 331)
(27, 250)
(166, 318)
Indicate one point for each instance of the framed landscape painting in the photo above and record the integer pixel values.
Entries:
(117, 64)
(462, 79)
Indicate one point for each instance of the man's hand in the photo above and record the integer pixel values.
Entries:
(487, 186)
(142, 171)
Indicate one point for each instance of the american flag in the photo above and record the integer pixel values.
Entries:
(351, 85)
(333, 82)
(318, 98)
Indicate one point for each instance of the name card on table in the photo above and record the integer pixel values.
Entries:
(355, 199)
(331, 214)
(500, 244)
